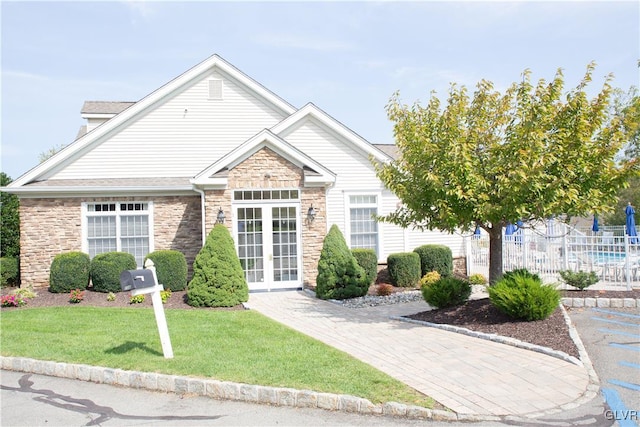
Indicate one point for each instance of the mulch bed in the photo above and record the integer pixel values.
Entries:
(45, 298)
(481, 316)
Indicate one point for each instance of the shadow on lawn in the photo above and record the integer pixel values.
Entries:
(130, 346)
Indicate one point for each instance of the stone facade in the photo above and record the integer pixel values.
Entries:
(47, 228)
(267, 170)
(52, 226)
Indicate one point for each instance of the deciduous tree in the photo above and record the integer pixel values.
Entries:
(485, 160)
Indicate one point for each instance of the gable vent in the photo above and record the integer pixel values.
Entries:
(215, 89)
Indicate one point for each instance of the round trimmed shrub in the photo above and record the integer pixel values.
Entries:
(368, 260)
(447, 292)
(9, 271)
(339, 275)
(522, 296)
(171, 268)
(404, 269)
(435, 258)
(106, 268)
(218, 279)
(69, 271)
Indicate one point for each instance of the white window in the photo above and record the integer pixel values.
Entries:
(363, 228)
(118, 226)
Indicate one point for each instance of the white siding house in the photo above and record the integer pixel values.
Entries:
(154, 174)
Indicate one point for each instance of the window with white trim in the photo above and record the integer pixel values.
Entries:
(363, 228)
(118, 226)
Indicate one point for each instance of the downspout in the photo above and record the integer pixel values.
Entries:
(202, 213)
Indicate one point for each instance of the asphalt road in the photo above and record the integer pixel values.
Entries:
(612, 339)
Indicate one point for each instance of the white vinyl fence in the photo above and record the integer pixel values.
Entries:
(612, 255)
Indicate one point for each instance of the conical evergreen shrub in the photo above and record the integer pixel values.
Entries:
(218, 279)
(339, 275)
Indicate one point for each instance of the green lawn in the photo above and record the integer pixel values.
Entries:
(239, 346)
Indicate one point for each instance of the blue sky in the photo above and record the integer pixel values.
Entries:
(347, 58)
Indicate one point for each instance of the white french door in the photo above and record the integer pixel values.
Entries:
(268, 240)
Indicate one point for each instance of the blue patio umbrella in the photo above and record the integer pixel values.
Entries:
(519, 231)
(595, 228)
(508, 231)
(631, 224)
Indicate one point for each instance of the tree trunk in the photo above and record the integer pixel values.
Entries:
(495, 254)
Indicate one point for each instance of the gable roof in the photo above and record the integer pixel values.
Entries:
(67, 153)
(310, 110)
(105, 107)
(216, 175)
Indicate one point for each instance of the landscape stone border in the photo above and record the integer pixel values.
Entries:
(223, 390)
(594, 383)
(601, 302)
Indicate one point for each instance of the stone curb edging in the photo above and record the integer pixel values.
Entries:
(600, 302)
(223, 390)
(594, 383)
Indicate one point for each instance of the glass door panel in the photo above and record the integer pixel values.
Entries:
(250, 244)
(284, 231)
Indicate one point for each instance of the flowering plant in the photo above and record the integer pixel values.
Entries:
(136, 299)
(76, 296)
(12, 301)
(165, 295)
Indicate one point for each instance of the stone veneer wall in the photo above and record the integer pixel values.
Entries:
(263, 170)
(47, 227)
(51, 226)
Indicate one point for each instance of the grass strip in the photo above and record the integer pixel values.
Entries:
(238, 346)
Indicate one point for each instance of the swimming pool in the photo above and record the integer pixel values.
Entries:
(607, 257)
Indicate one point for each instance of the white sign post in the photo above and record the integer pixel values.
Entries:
(158, 309)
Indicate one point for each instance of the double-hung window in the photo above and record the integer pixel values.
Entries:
(363, 228)
(118, 226)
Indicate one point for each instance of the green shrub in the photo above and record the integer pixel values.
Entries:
(404, 269)
(435, 258)
(368, 260)
(430, 278)
(171, 268)
(579, 279)
(218, 279)
(521, 272)
(106, 268)
(522, 296)
(447, 292)
(9, 271)
(339, 275)
(69, 271)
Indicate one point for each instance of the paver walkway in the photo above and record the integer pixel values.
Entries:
(466, 374)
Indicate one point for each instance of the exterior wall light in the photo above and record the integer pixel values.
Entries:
(311, 214)
(220, 218)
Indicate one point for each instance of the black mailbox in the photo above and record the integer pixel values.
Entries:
(136, 279)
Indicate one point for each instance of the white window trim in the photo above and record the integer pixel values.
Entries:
(85, 223)
(347, 217)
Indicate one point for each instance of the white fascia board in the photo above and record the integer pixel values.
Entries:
(263, 139)
(146, 102)
(60, 191)
(332, 124)
(97, 116)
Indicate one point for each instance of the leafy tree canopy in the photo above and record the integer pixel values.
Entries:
(529, 153)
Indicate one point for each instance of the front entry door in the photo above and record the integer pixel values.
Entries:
(268, 239)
